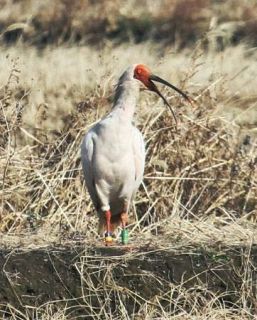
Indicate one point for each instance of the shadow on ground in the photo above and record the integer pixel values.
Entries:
(87, 280)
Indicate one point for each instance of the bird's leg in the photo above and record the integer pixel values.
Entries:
(108, 234)
(124, 219)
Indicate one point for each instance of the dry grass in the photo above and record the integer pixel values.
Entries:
(205, 170)
(200, 184)
(179, 23)
(103, 294)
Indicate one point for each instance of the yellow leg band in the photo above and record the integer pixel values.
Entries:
(108, 239)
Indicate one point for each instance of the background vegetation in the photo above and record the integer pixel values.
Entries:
(59, 63)
(176, 23)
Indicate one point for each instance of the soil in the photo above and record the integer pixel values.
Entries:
(74, 275)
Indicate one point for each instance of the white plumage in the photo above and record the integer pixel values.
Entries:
(113, 152)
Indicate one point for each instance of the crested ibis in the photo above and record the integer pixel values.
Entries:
(113, 152)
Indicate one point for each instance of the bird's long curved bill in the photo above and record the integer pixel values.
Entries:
(166, 83)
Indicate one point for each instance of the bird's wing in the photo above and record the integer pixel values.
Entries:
(139, 156)
(87, 153)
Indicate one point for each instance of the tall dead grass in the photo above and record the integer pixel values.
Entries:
(180, 23)
(206, 170)
(200, 185)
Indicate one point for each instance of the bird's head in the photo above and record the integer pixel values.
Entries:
(143, 74)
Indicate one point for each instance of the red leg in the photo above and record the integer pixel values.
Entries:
(124, 215)
(124, 219)
(108, 216)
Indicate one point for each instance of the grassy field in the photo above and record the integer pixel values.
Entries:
(200, 183)
(49, 101)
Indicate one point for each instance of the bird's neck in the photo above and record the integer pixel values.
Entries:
(125, 99)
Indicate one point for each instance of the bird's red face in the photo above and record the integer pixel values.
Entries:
(143, 74)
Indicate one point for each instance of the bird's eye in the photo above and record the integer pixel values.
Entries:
(137, 73)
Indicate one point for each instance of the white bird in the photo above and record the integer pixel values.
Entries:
(113, 152)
